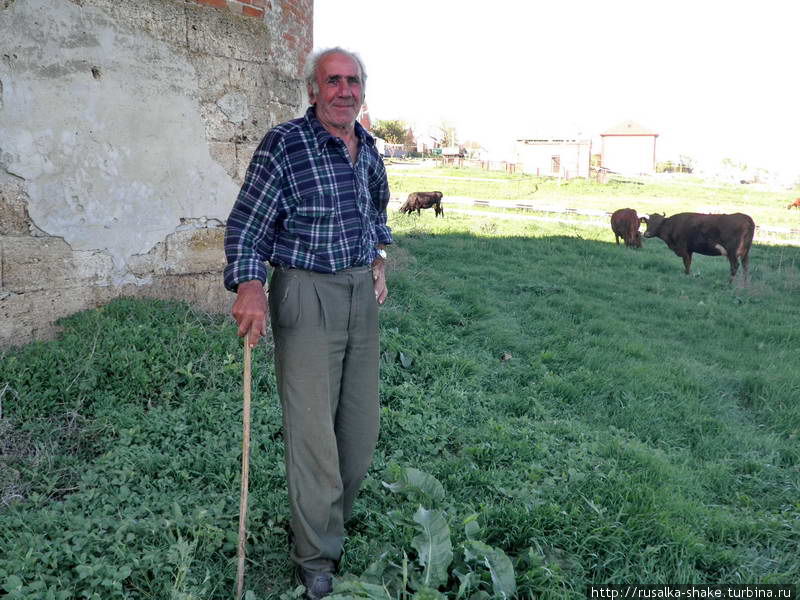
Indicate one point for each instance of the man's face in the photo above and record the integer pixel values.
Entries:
(340, 91)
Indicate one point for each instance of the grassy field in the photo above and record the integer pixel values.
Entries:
(556, 411)
(654, 194)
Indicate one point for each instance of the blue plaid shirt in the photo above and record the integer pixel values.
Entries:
(303, 204)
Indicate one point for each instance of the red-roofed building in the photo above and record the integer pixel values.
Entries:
(629, 148)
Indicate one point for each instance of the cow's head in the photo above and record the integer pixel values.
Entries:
(637, 239)
(654, 222)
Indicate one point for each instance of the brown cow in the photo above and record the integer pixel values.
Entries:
(712, 235)
(419, 200)
(625, 225)
(795, 204)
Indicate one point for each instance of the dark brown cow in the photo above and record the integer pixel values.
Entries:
(795, 204)
(712, 235)
(419, 200)
(625, 225)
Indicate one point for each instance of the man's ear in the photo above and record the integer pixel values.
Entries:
(312, 97)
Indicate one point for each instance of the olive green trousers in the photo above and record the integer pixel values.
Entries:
(325, 328)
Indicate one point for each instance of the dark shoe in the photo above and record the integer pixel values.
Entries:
(318, 583)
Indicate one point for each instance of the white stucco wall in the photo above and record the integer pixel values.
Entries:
(112, 160)
(536, 158)
(125, 131)
(630, 155)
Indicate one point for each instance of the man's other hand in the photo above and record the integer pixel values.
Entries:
(250, 310)
(379, 280)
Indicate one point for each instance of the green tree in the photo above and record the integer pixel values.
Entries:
(393, 132)
(448, 134)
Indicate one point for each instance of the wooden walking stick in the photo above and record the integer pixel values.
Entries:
(245, 469)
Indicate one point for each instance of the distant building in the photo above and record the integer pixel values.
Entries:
(564, 157)
(426, 143)
(473, 149)
(629, 149)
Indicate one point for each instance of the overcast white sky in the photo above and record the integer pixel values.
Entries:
(715, 78)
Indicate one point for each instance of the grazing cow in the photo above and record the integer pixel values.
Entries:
(625, 225)
(795, 204)
(419, 200)
(712, 235)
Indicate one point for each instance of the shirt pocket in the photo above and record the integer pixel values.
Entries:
(314, 221)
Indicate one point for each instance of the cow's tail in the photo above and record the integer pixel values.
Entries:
(746, 239)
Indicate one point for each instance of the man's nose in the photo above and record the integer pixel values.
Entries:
(344, 89)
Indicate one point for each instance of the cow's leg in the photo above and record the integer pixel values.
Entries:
(734, 260)
(687, 261)
(746, 265)
(616, 237)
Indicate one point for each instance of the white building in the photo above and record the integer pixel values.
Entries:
(564, 157)
(629, 149)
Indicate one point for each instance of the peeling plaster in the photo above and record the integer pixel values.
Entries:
(110, 163)
(199, 223)
(234, 107)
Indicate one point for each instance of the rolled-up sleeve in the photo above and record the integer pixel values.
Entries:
(250, 229)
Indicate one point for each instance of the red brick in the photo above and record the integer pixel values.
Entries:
(259, 3)
(252, 12)
(292, 13)
(215, 3)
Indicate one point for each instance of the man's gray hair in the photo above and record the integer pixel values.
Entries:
(310, 71)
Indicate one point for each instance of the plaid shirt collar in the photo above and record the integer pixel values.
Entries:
(323, 136)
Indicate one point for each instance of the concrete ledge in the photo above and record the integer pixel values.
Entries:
(22, 320)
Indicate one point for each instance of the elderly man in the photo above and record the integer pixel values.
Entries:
(313, 205)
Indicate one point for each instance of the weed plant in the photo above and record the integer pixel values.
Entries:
(585, 410)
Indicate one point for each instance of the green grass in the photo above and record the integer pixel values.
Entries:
(643, 426)
(646, 195)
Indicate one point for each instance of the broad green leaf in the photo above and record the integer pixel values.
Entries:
(406, 361)
(499, 565)
(426, 593)
(433, 546)
(12, 584)
(347, 590)
(471, 526)
(397, 517)
(376, 569)
(84, 571)
(413, 480)
(467, 582)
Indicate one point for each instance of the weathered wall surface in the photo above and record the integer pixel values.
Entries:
(125, 131)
